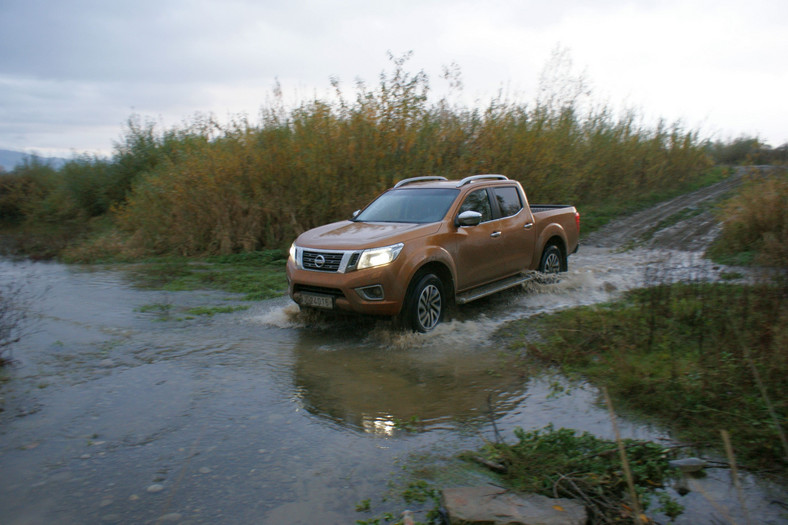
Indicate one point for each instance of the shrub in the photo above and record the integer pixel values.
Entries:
(755, 223)
(245, 187)
(207, 188)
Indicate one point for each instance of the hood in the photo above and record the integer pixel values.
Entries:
(349, 235)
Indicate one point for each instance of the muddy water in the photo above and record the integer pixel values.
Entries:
(119, 412)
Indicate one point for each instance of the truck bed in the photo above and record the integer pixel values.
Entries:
(535, 208)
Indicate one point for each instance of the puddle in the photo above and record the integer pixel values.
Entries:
(118, 413)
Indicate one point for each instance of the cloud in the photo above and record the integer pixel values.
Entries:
(68, 67)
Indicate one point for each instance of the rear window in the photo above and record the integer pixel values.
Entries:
(508, 200)
(410, 205)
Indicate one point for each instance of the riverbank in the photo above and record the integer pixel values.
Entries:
(693, 357)
(703, 361)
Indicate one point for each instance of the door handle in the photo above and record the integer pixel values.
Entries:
(495, 234)
(528, 225)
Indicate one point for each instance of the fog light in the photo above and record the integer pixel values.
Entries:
(371, 293)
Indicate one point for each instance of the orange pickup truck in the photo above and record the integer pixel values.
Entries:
(427, 243)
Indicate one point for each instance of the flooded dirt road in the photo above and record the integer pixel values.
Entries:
(124, 407)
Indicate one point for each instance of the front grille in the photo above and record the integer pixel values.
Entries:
(322, 261)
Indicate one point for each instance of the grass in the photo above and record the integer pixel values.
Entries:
(256, 275)
(210, 311)
(694, 357)
(563, 463)
(754, 224)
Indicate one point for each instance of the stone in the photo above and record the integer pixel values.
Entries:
(156, 487)
(689, 464)
(494, 505)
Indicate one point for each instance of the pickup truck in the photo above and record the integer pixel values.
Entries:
(428, 243)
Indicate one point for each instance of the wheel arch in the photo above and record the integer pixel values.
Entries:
(560, 243)
(441, 270)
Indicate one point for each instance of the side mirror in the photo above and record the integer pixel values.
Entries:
(469, 218)
(355, 213)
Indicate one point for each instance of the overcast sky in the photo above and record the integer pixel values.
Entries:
(73, 71)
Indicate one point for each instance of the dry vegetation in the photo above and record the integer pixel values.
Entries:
(209, 188)
(754, 223)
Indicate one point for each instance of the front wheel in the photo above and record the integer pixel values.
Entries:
(552, 260)
(425, 304)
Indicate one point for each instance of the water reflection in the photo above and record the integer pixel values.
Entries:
(262, 416)
(380, 389)
(385, 426)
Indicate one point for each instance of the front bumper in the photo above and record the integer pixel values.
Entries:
(341, 287)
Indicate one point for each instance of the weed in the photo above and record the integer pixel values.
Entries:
(363, 506)
(754, 224)
(414, 424)
(695, 356)
(210, 311)
(562, 463)
(154, 307)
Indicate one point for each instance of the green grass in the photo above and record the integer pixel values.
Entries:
(210, 311)
(160, 308)
(255, 275)
(561, 462)
(696, 358)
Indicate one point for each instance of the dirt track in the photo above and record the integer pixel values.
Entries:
(684, 223)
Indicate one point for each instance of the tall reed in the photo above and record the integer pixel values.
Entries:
(212, 188)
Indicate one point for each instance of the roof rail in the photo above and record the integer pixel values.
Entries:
(417, 179)
(468, 180)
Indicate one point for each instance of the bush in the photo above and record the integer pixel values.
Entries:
(755, 223)
(747, 150)
(207, 188)
(243, 187)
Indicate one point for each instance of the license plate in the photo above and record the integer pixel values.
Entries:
(317, 301)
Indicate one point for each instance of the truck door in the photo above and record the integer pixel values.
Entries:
(479, 248)
(516, 225)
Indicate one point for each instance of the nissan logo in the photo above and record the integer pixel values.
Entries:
(320, 261)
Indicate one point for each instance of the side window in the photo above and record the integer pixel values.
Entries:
(478, 201)
(508, 200)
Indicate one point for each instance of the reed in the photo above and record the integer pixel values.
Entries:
(218, 188)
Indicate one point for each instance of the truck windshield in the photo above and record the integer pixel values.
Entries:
(412, 205)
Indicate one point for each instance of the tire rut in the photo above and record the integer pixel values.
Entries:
(685, 223)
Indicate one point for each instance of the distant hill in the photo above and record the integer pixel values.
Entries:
(10, 159)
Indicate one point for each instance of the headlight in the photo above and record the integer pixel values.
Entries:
(293, 252)
(378, 256)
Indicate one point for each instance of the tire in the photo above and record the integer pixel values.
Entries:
(553, 260)
(425, 304)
